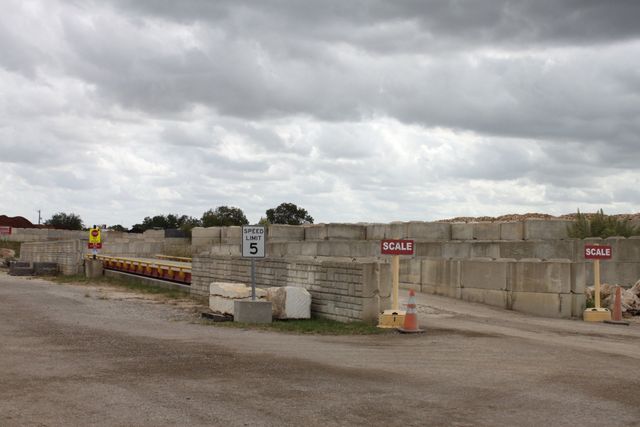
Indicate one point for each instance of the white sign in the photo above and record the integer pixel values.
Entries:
(253, 238)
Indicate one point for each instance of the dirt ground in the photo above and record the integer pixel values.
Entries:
(75, 355)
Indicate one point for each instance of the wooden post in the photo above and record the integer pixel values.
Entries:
(395, 271)
(596, 280)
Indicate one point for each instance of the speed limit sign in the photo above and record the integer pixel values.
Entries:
(253, 238)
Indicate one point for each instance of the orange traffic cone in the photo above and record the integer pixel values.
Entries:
(617, 310)
(411, 317)
(617, 306)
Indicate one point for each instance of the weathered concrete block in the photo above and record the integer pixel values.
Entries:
(290, 302)
(428, 249)
(93, 268)
(542, 277)
(456, 250)
(486, 231)
(441, 277)
(153, 234)
(578, 277)
(231, 235)
(252, 311)
(378, 231)
(45, 268)
(543, 229)
(518, 250)
(429, 230)
(346, 232)
(552, 249)
(485, 249)
(491, 297)
(578, 304)
(512, 230)
(484, 274)
(285, 233)
(461, 231)
(410, 271)
(542, 304)
(315, 232)
(399, 230)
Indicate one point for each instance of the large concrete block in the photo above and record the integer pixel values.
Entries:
(213, 233)
(285, 233)
(231, 235)
(399, 230)
(315, 232)
(542, 277)
(461, 231)
(518, 250)
(429, 230)
(456, 250)
(512, 230)
(485, 249)
(553, 249)
(543, 229)
(484, 274)
(290, 302)
(542, 304)
(578, 304)
(378, 231)
(410, 271)
(153, 234)
(491, 297)
(441, 277)
(252, 311)
(486, 231)
(346, 232)
(428, 249)
(578, 277)
(626, 249)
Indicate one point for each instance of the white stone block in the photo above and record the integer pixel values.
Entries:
(223, 294)
(290, 302)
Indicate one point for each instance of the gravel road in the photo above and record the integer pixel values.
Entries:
(74, 355)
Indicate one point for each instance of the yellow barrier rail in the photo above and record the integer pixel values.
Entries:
(159, 269)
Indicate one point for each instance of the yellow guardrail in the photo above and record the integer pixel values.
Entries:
(173, 258)
(160, 269)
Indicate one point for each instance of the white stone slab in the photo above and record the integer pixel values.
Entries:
(290, 302)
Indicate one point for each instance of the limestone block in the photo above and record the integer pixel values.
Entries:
(410, 270)
(491, 297)
(484, 274)
(542, 277)
(378, 231)
(544, 229)
(518, 250)
(461, 231)
(441, 277)
(550, 249)
(429, 230)
(578, 304)
(486, 231)
(290, 302)
(578, 277)
(485, 249)
(627, 250)
(456, 250)
(223, 294)
(285, 233)
(542, 304)
(428, 249)
(513, 230)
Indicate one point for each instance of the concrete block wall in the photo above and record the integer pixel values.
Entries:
(43, 234)
(344, 291)
(552, 288)
(68, 254)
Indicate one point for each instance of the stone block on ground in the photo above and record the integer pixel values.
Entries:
(252, 311)
(290, 302)
(222, 295)
(18, 268)
(7, 253)
(45, 268)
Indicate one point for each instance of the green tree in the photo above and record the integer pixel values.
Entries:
(165, 222)
(288, 213)
(117, 227)
(65, 221)
(580, 227)
(224, 216)
(600, 225)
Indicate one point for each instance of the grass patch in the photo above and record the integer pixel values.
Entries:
(122, 282)
(315, 325)
(11, 245)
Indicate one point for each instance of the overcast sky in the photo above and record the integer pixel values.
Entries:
(355, 110)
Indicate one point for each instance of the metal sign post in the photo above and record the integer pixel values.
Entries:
(253, 243)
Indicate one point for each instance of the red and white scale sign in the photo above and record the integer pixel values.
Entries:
(397, 247)
(597, 252)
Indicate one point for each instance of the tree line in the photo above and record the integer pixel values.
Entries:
(285, 213)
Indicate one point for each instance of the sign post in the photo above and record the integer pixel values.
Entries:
(394, 318)
(95, 240)
(253, 243)
(596, 253)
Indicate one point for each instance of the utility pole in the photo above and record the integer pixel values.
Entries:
(39, 217)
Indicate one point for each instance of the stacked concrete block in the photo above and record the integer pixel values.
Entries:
(285, 233)
(398, 230)
(202, 238)
(411, 273)
(429, 231)
(428, 249)
(461, 231)
(457, 249)
(231, 235)
(512, 230)
(542, 304)
(536, 276)
(486, 231)
(485, 281)
(344, 291)
(537, 229)
(336, 232)
(378, 231)
(441, 277)
(485, 249)
(67, 254)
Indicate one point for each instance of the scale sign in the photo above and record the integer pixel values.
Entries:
(597, 252)
(253, 239)
(397, 247)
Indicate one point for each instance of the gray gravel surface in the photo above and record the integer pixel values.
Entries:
(82, 355)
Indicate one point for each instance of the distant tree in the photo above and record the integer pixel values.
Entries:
(187, 223)
(288, 213)
(263, 221)
(65, 221)
(224, 216)
(117, 227)
(600, 225)
(165, 222)
(580, 227)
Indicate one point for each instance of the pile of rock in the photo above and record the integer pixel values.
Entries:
(630, 298)
(288, 302)
(6, 256)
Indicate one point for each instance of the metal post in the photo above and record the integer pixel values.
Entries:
(253, 279)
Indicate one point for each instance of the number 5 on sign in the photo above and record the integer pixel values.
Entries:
(253, 239)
